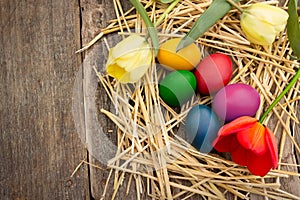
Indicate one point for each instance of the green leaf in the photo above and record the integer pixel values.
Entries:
(209, 17)
(150, 27)
(166, 1)
(293, 28)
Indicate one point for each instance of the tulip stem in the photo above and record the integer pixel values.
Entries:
(235, 5)
(167, 11)
(150, 27)
(288, 87)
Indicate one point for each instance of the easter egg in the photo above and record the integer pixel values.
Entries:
(177, 87)
(202, 126)
(236, 100)
(213, 73)
(185, 59)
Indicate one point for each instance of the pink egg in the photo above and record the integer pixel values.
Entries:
(236, 100)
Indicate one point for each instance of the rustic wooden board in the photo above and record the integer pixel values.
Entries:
(39, 147)
(95, 15)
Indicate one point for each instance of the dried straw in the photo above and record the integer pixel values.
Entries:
(150, 148)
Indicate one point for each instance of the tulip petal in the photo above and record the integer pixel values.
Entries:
(129, 44)
(261, 23)
(237, 125)
(141, 57)
(143, 60)
(272, 146)
(115, 71)
(239, 155)
(226, 140)
(262, 34)
(137, 73)
(129, 60)
(259, 165)
(269, 14)
(253, 138)
(226, 144)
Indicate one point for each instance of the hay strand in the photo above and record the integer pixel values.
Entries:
(149, 145)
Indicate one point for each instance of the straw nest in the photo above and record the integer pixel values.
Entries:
(149, 133)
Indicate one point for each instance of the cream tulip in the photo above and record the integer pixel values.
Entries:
(261, 23)
(129, 60)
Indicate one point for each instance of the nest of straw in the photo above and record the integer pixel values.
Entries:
(151, 148)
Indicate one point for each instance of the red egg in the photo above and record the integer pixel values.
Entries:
(213, 73)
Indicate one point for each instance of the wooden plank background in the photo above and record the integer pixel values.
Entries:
(39, 144)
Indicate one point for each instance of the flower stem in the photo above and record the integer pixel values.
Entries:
(288, 87)
(150, 27)
(167, 11)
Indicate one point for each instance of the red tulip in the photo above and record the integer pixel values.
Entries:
(250, 144)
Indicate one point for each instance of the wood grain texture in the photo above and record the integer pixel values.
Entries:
(39, 144)
(95, 16)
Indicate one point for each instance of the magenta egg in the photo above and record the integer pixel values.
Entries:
(236, 100)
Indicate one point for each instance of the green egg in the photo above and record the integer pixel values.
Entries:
(177, 87)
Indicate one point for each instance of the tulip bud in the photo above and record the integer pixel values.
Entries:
(129, 60)
(261, 23)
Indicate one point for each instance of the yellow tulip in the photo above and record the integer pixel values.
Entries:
(129, 60)
(261, 23)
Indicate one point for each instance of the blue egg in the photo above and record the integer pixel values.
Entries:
(202, 126)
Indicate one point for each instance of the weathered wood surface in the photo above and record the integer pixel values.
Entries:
(40, 145)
